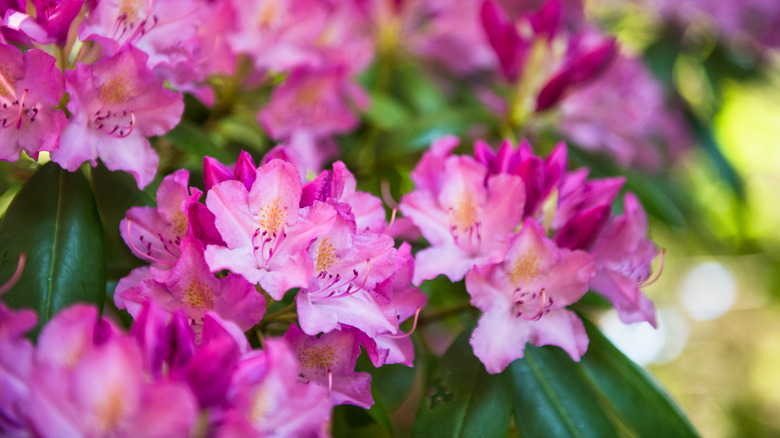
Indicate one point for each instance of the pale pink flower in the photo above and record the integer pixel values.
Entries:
(524, 298)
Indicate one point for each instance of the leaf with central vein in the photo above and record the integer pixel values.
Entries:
(635, 398)
(553, 398)
(462, 399)
(54, 222)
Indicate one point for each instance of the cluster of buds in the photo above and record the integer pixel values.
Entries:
(530, 238)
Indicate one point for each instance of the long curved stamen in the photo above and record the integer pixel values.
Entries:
(386, 195)
(147, 254)
(330, 380)
(392, 220)
(658, 274)
(543, 305)
(414, 326)
(15, 277)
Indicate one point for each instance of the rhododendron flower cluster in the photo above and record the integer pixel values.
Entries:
(530, 238)
(248, 299)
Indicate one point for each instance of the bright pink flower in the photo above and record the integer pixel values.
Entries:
(278, 34)
(524, 299)
(266, 398)
(191, 287)
(466, 214)
(347, 268)
(329, 361)
(116, 104)
(30, 88)
(16, 364)
(155, 234)
(316, 102)
(407, 301)
(164, 30)
(623, 256)
(266, 233)
(98, 388)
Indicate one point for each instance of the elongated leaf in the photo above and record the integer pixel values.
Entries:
(115, 193)
(553, 398)
(642, 406)
(54, 222)
(463, 400)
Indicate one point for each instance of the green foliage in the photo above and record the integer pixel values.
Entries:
(54, 222)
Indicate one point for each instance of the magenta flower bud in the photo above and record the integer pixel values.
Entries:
(214, 172)
(582, 230)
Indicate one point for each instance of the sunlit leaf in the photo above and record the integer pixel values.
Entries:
(53, 220)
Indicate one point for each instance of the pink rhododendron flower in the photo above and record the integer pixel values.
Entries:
(98, 387)
(155, 234)
(266, 233)
(163, 30)
(466, 214)
(266, 398)
(347, 268)
(315, 102)
(116, 105)
(523, 299)
(624, 113)
(329, 361)
(30, 89)
(190, 286)
(623, 258)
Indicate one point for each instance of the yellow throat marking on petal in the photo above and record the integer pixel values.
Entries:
(114, 90)
(179, 223)
(524, 268)
(199, 295)
(260, 406)
(325, 256)
(130, 9)
(273, 216)
(318, 359)
(466, 212)
(6, 83)
(110, 411)
(268, 14)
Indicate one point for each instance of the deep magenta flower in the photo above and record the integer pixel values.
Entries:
(117, 104)
(30, 89)
(524, 298)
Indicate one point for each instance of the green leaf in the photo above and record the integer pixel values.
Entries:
(115, 193)
(634, 396)
(553, 399)
(386, 112)
(54, 222)
(707, 141)
(462, 399)
(190, 138)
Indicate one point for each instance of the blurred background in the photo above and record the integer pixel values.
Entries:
(717, 349)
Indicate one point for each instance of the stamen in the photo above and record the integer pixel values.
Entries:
(658, 274)
(386, 195)
(132, 126)
(21, 110)
(330, 380)
(414, 326)
(15, 277)
(148, 253)
(392, 220)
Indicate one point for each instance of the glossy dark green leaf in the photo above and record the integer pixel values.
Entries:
(115, 193)
(553, 398)
(53, 220)
(634, 396)
(462, 399)
(354, 422)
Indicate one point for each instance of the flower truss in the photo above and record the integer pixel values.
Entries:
(253, 293)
